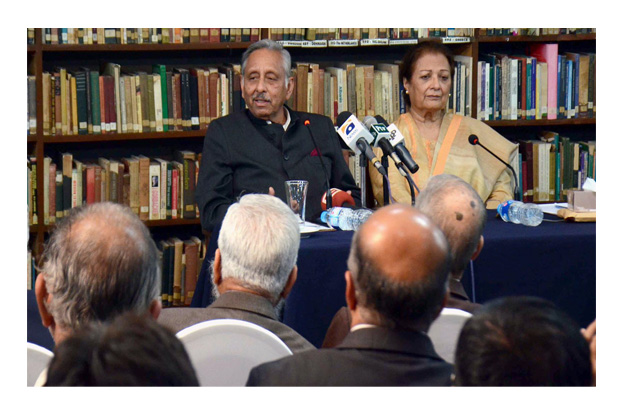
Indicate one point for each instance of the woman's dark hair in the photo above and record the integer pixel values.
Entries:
(406, 67)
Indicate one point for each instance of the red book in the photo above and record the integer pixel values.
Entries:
(191, 273)
(98, 183)
(90, 184)
(52, 193)
(214, 35)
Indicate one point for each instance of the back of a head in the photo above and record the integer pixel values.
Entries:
(399, 262)
(456, 208)
(522, 341)
(130, 351)
(258, 241)
(100, 262)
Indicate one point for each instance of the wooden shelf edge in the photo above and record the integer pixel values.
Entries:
(541, 123)
(95, 138)
(149, 223)
(542, 38)
(144, 47)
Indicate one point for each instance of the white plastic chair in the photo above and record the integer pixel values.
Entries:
(37, 359)
(445, 330)
(224, 351)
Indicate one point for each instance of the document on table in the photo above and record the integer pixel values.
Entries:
(309, 227)
(552, 208)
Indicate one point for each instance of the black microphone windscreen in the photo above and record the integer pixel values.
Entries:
(381, 120)
(342, 117)
(473, 140)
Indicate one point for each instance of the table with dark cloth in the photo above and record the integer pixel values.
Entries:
(555, 260)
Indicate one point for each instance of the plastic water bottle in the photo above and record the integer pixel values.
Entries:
(514, 211)
(346, 219)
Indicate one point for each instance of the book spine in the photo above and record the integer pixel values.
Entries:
(155, 192)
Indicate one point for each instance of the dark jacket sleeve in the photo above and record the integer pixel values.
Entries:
(214, 193)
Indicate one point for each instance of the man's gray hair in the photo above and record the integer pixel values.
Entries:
(271, 45)
(100, 262)
(259, 241)
(462, 229)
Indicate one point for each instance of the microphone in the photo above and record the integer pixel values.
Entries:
(325, 173)
(397, 141)
(473, 140)
(381, 136)
(357, 138)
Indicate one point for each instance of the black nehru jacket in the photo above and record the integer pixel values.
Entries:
(243, 154)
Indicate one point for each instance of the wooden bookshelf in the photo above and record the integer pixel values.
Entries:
(41, 56)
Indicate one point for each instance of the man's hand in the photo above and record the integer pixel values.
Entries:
(271, 191)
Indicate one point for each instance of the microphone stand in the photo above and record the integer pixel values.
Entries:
(385, 182)
(516, 183)
(363, 179)
(413, 185)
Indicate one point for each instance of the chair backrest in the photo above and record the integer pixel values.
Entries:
(445, 330)
(224, 351)
(37, 360)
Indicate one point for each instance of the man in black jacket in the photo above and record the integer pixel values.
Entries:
(396, 285)
(256, 150)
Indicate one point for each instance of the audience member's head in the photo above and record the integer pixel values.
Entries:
(258, 245)
(522, 341)
(132, 350)
(457, 209)
(99, 262)
(397, 270)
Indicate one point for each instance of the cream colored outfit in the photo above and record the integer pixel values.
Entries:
(488, 176)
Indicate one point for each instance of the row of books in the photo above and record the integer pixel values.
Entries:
(310, 34)
(366, 90)
(95, 36)
(155, 188)
(174, 99)
(129, 36)
(533, 31)
(113, 101)
(181, 262)
(540, 85)
(552, 164)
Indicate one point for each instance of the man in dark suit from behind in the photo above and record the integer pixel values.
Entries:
(456, 208)
(396, 285)
(253, 271)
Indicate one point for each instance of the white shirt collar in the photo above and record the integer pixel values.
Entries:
(288, 119)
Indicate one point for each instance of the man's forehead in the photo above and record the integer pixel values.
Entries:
(264, 59)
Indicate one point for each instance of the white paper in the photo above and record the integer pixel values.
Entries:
(309, 227)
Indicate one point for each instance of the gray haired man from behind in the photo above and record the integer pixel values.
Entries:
(254, 269)
(99, 263)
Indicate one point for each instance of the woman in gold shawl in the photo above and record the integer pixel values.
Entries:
(438, 141)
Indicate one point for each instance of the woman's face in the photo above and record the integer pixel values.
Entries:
(430, 83)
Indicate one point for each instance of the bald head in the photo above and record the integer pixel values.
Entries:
(399, 263)
(456, 208)
(397, 238)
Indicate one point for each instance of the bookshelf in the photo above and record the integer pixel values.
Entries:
(470, 43)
